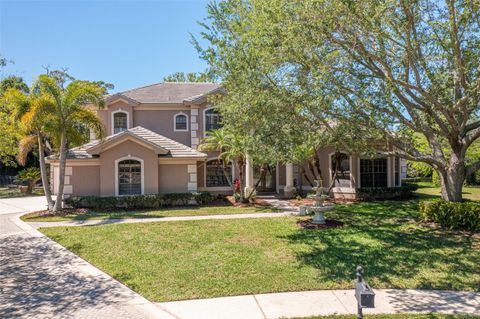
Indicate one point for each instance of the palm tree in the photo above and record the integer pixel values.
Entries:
(35, 113)
(58, 113)
(70, 114)
(231, 149)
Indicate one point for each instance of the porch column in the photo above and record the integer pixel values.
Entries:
(289, 189)
(248, 175)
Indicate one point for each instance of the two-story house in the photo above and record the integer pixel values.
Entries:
(153, 133)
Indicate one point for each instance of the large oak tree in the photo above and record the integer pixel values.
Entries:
(386, 68)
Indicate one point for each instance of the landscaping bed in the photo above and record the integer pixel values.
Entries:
(216, 208)
(210, 258)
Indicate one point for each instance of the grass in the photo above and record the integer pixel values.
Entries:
(209, 258)
(166, 212)
(15, 192)
(426, 190)
(401, 316)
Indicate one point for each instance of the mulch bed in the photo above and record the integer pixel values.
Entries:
(63, 212)
(329, 223)
(231, 200)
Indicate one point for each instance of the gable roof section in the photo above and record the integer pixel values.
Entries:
(161, 145)
(169, 92)
(119, 96)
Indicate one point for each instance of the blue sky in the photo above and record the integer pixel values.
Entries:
(127, 43)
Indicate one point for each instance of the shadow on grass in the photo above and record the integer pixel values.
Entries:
(396, 250)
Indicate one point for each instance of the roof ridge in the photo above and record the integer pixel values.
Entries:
(189, 82)
(141, 87)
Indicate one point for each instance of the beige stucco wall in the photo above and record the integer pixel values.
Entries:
(85, 180)
(107, 166)
(162, 122)
(106, 115)
(172, 178)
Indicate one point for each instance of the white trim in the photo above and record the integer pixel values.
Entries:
(179, 160)
(205, 175)
(160, 107)
(175, 122)
(389, 171)
(216, 189)
(277, 177)
(350, 162)
(129, 157)
(113, 122)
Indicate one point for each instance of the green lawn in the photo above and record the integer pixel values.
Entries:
(427, 190)
(15, 192)
(199, 259)
(400, 316)
(166, 212)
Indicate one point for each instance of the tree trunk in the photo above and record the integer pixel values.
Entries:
(61, 177)
(451, 182)
(43, 173)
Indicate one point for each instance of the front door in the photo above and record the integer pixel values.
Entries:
(264, 177)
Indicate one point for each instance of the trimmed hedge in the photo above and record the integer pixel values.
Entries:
(453, 215)
(140, 201)
(385, 193)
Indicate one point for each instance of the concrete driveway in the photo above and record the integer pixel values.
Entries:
(41, 279)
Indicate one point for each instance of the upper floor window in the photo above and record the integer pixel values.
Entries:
(212, 120)
(120, 122)
(181, 121)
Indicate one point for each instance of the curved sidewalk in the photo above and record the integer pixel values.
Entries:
(91, 222)
(323, 302)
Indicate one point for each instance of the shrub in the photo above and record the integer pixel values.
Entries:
(140, 201)
(454, 215)
(384, 193)
(29, 176)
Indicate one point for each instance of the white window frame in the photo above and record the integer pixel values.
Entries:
(142, 166)
(113, 119)
(205, 119)
(216, 188)
(330, 171)
(175, 122)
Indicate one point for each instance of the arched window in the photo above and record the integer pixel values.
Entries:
(212, 120)
(341, 163)
(216, 174)
(120, 122)
(181, 121)
(129, 177)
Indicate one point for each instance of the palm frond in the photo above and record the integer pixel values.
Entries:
(25, 146)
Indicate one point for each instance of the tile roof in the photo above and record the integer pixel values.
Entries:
(170, 148)
(170, 92)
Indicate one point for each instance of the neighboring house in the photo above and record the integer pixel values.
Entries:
(153, 133)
